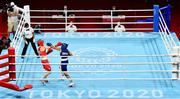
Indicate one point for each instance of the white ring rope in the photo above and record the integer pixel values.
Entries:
(116, 17)
(19, 29)
(105, 71)
(118, 64)
(91, 23)
(35, 79)
(167, 29)
(135, 10)
(165, 35)
(111, 17)
(164, 39)
(116, 55)
(95, 29)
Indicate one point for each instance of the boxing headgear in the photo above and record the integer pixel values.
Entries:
(64, 46)
(59, 44)
(40, 42)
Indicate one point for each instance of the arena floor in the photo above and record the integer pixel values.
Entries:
(102, 45)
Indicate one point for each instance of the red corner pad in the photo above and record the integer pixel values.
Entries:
(14, 87)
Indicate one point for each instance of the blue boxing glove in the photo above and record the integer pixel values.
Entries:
(49, 44)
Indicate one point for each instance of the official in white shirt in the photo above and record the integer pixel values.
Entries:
(119, 28)
(28, 34)
(14, 9)
(12, 24)
(71, 27)
(13, 12)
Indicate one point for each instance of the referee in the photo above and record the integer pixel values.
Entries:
(28, 36)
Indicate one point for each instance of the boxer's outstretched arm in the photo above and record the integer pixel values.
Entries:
(56, 48)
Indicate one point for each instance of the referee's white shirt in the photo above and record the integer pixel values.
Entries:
(28, 32)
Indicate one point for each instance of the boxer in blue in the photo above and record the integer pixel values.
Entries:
(64, 53)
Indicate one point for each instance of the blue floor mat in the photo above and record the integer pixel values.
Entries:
(101, 45)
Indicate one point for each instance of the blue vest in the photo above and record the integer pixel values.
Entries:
(64, 52)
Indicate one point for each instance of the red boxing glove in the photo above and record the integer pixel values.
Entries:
(49, 50)
(59, 44)
(46, 65)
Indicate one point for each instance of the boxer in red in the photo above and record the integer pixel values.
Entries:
(43, 52)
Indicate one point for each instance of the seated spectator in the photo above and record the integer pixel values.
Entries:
(71, 18)
(119, 28)
(4, 43)
(71, 27)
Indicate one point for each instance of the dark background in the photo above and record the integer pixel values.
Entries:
(90, 4)
(104, 4)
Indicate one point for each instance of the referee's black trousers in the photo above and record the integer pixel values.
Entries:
(26, 46)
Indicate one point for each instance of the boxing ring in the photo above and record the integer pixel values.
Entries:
(104, 65)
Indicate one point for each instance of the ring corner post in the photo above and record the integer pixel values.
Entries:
(168, 16)
(156, 18)
(12, 67)
(27, 14)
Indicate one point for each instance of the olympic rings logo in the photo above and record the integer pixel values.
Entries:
(94, 51)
